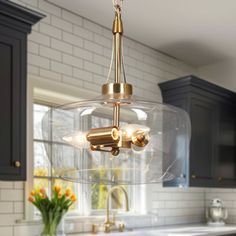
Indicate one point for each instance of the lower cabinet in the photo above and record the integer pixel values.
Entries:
(212, 111)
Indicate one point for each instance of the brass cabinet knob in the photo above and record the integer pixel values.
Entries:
(220, 178)
(17, 164)
(194, 176)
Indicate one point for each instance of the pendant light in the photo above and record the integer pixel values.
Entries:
(117, 138)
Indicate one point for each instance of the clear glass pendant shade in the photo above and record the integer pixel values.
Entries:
(157, 138)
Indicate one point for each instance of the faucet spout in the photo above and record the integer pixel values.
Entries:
(115, 188)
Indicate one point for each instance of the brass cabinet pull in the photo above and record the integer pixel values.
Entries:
(194, 176)
(17, 164)
(220, 178)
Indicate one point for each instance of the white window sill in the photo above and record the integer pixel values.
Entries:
(81, 224)
(93, 218)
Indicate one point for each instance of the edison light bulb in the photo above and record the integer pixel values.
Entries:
(129, 130)
(77, 139)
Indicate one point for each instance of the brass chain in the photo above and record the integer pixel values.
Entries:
(117, 4)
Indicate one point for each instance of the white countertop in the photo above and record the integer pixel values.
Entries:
(177, 230)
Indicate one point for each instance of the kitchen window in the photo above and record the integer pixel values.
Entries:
(42, 95)
(47, 150)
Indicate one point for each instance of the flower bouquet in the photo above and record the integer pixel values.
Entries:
(52, 210)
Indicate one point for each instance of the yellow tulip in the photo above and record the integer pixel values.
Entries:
(68, 192)
(32, 193)
(42, 190)
(57, 188)
(73, 198)
(31, 199)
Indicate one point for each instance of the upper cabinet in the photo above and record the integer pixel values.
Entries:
(15, 24)
(212, 111)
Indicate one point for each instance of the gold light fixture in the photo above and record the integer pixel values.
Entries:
(111, 139)
(117, 138)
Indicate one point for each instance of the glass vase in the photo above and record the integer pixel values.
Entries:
(53, 226)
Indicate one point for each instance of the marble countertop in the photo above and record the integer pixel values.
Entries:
(177, 230)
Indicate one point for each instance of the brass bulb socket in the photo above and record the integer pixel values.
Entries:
(107, 136)
(140, 139)
(117, 90)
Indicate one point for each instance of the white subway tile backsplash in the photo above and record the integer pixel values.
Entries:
(33, 47)
(71, 17)
(29, 230)
(91, 26)
(50, 53)
(9, 219)
(11, 194)
(39, 38)
(61, 46)
(62, 24)
(6, 207)
(83, 33)
(40, 61)
(19, 207)
(34, 70)
(71, 80)
(101, 40)
(6, 231)
(18, 185)
(97, 69)
(101, 60)
(50, 30)
(6, 185)
(72, 39)
(49, 8)
(50, 74)
(93, 47)
(82, 75)
(82, 53)
(73, 61)
(61, 68)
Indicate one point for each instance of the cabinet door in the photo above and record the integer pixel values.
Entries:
(203, 117)
(13, 105)
(226, 147)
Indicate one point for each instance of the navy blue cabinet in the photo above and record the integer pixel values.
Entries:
(212, 111)
(15, 24)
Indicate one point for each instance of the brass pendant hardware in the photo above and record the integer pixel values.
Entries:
(110, 139)
(117, 90)
(117, 24)
(140, 139)
(104, 137)
(17, 164)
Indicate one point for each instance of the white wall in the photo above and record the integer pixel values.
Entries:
(222, 73)
(71, 50)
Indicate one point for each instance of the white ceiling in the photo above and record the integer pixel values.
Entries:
(199, 32)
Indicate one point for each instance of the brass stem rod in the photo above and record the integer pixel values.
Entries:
(116, 115)
(117, 48)
(117, 31)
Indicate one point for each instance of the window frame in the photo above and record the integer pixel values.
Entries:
(53, 93)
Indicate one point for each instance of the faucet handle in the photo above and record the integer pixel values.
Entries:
(107, 228)
(121, 227)
(95, 228)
